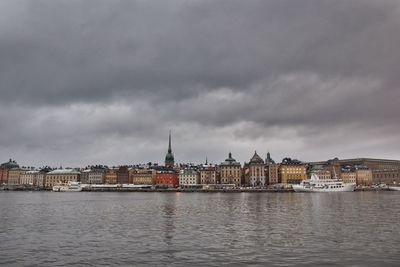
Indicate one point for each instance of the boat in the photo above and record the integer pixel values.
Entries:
(69, 187)
(326, 185)
(394, 187)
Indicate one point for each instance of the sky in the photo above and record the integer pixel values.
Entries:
(103, 82)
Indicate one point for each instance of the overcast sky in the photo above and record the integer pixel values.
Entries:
(87, 82)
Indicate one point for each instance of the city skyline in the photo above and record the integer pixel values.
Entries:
(102, 82)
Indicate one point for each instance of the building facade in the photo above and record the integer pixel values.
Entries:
(143, 176)
(364, 177)
(95, 176)
(386, 176)
(209, 174)
(14, 176)
(123, 175)
(320, 171)
(188, 177)
(61, 176)
(349, 176)
(4, 171)
(257, 171)
(231, 171)
(167, 178)
(39, 178)
(110, 176)
(292, 171)
(271, 170)
(29, 177)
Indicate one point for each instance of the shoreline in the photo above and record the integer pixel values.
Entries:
(178, 190)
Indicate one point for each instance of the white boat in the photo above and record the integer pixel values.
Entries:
(394, 187)
(327, 185)
(69, 187)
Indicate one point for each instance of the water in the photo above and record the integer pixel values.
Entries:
(199, 229)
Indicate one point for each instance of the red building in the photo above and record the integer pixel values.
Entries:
(3, 176)
(167, 179)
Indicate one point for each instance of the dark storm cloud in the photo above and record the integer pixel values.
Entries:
(79, 75)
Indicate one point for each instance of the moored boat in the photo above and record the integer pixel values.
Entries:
(69, 187)
(327, 185)
(394, 187)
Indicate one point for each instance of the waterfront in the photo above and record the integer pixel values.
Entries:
(180, 229)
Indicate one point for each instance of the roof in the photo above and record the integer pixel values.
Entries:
(256, 159)
(10, 164)
(230, 161)
(32, 172)
(63, 171)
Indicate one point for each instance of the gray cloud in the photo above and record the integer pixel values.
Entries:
(102, 81)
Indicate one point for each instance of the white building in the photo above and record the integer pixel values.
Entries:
(92, 176)
(189, 176)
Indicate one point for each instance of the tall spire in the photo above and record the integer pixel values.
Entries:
(169, 158)
(206, 161)
(169, 142)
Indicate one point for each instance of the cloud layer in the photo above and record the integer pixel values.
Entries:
(85, 82)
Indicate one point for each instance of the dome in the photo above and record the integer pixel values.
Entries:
(10, 164)
(230, 160)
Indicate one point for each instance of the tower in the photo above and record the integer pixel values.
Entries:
(169, 158)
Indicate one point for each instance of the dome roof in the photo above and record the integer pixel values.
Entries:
(230, 160)
(11, 164)
(256, 159)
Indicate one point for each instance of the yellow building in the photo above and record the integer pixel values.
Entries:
(61, 176)
(231, 171)
(364, 177)
(110, 176)
(349, 177)
(143, 176)
(28, 178)
(321, 172)
(292, 171)
(14, 176)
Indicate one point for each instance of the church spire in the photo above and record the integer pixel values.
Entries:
(169, 143)
(169, 158)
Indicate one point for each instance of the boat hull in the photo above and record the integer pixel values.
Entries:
(70, 190)
(73, 187)
(394, 188)
(346, 188)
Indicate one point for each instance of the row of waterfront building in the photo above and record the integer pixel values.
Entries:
(255, 173)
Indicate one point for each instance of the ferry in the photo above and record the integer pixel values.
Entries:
(70, 187)
(327, 185)
(394, 187)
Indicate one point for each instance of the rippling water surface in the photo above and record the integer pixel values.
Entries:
(203, 229)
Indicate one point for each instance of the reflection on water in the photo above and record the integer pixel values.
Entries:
(181, 229)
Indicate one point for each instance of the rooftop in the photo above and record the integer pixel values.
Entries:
(64, 171)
